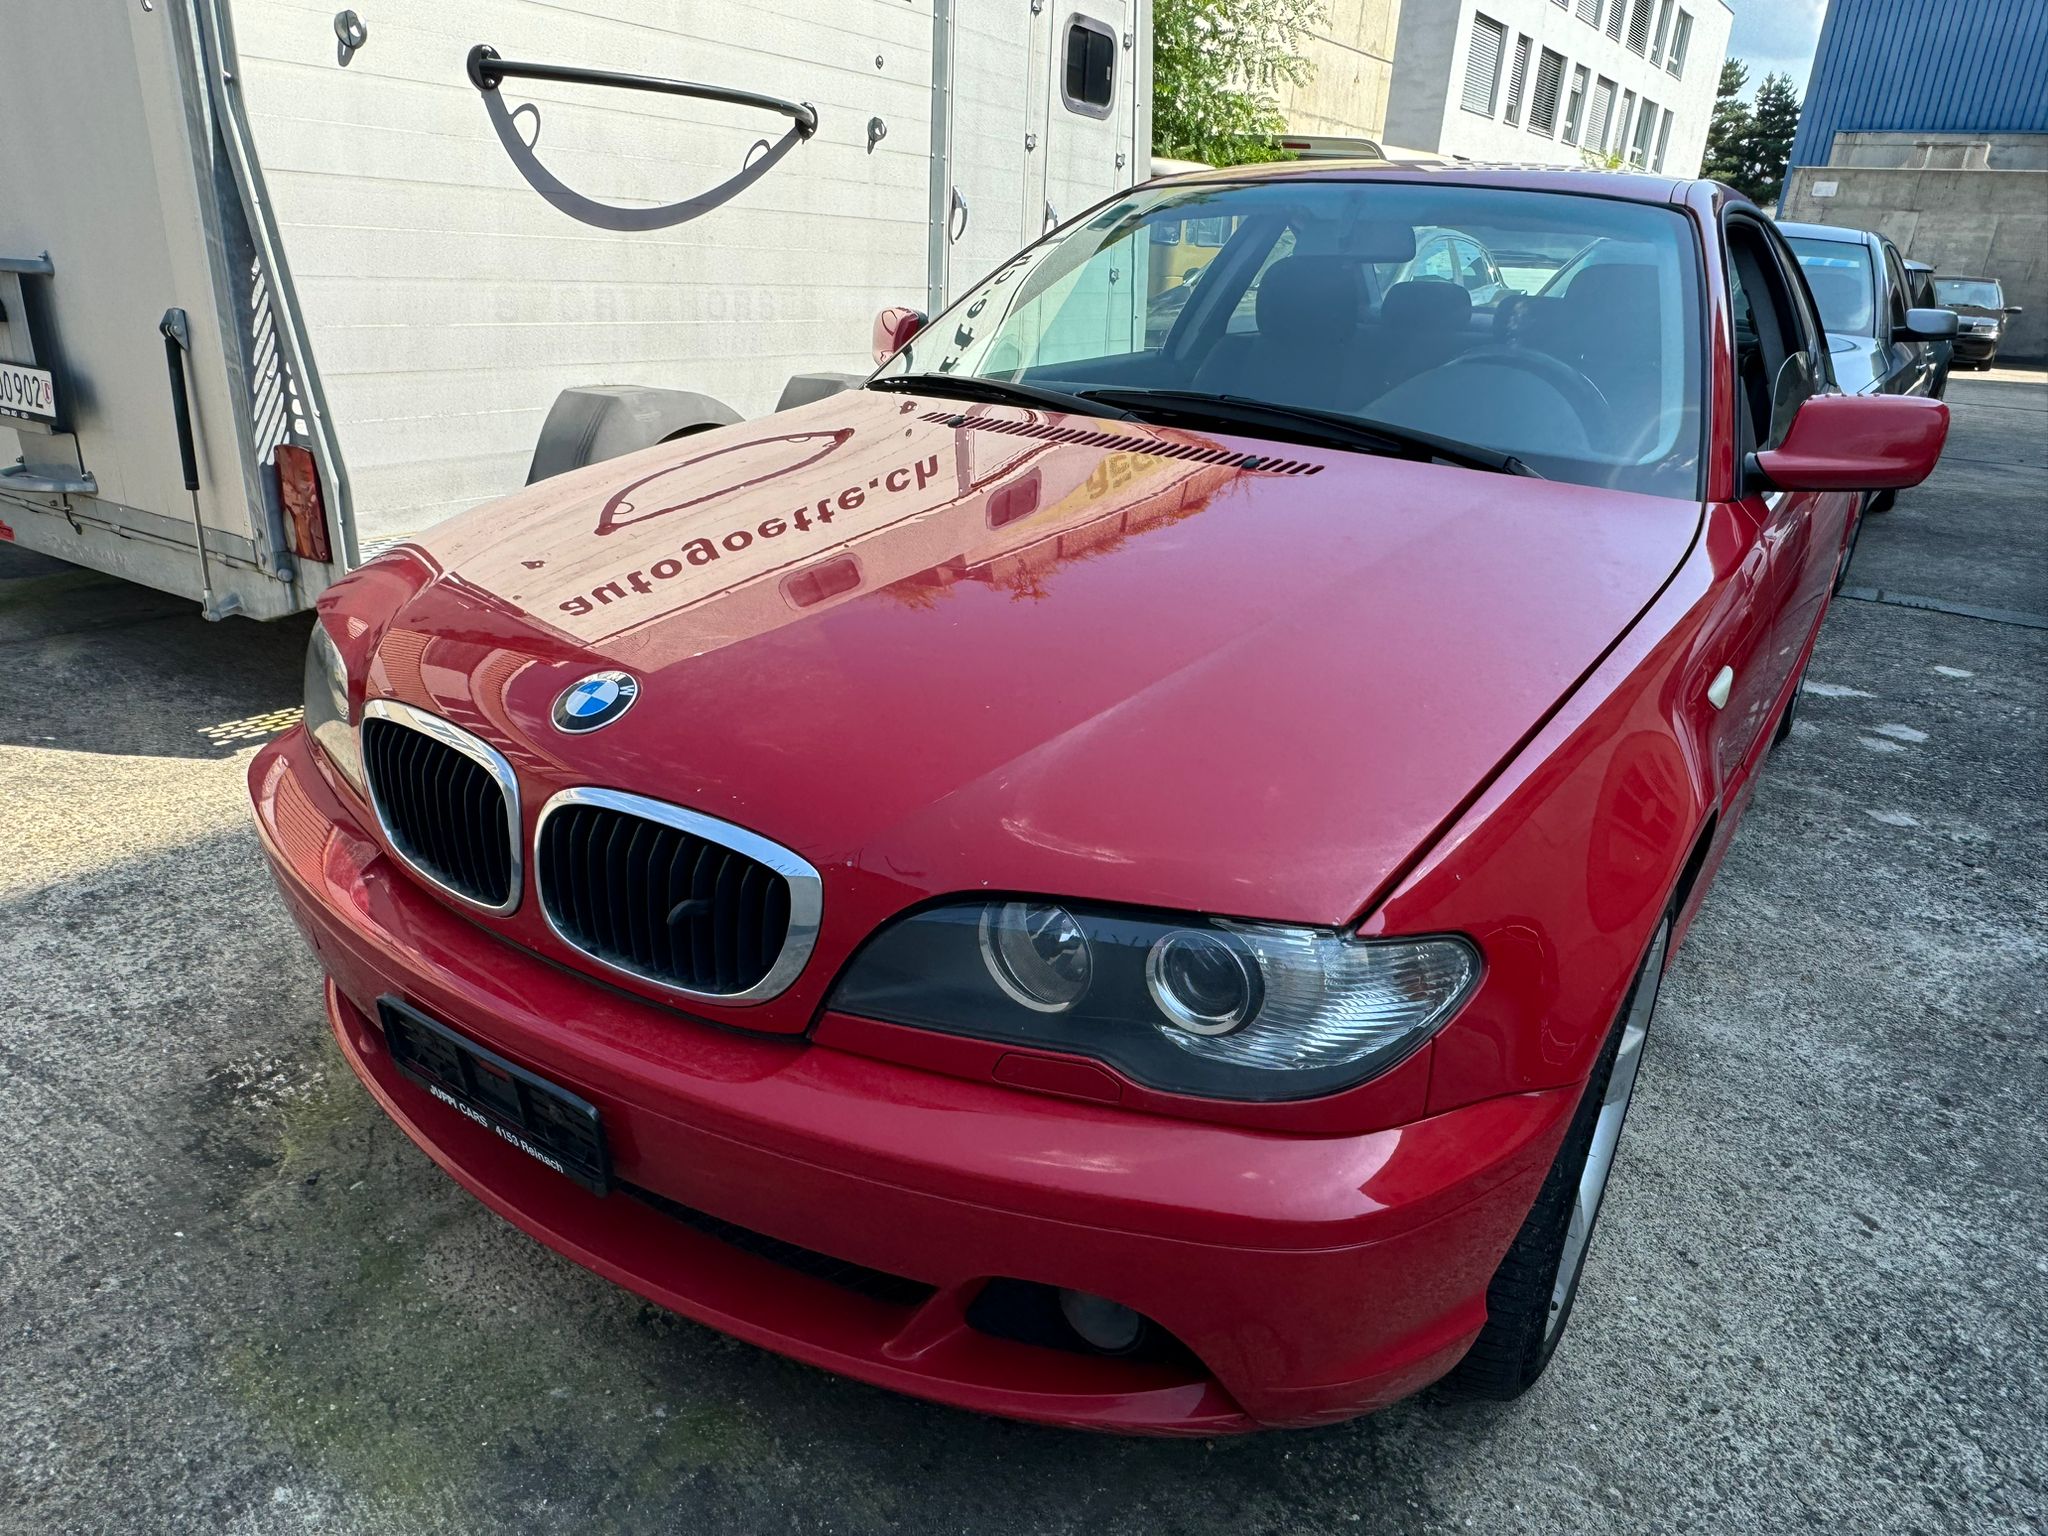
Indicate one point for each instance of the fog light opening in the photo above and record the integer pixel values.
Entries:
(1105, 1326)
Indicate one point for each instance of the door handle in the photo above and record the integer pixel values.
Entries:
(956, 219)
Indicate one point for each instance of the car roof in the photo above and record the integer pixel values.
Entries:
(1961, 277)
(1633, 186)
(1839, 233)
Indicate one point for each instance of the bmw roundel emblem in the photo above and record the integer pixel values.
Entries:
(597, 700)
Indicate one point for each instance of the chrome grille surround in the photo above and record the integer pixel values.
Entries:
(453, 737)
(805, 890)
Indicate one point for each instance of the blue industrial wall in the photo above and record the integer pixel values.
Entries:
(1926, 66)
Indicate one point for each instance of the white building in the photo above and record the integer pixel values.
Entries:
(1559, 82)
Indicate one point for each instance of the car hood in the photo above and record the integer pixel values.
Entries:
(938, 647)
(1858, 362)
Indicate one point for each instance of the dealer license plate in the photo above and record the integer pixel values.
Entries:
(547, 1123)
(27, 392)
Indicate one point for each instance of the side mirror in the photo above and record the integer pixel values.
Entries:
(894, 329)
(2014, 309)
(1930, 324)
(1857, 443)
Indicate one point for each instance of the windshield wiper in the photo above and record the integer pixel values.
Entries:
(1332, 427)
(969, 386)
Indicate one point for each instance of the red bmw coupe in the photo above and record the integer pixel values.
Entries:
(1112, 875)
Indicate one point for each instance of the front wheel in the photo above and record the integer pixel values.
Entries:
(1531, 1296)
(1849, 554)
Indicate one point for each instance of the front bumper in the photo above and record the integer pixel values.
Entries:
(1309, 1277)
(1976, 347)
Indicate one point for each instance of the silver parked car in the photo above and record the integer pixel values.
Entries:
(1879, 341)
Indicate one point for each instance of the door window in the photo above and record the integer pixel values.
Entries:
(1896, 287)
(1435, 263)
(1776, 342)
(1475, 272)
(1089, 83)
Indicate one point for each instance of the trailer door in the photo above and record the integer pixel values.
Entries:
(1086, 134)
(1084, 107)
(110, 173)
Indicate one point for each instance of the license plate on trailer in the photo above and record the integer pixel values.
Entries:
(549, 1124)
(26, 392)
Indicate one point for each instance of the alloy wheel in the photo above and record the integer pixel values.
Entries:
(1621, 1088)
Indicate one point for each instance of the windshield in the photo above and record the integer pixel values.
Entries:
(1562, 329)
(1978, 291)
(1843, 284)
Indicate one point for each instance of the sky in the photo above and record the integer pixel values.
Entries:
(1776, 35)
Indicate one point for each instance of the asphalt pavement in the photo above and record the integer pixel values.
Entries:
(233, 1297)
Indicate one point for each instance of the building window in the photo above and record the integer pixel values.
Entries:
(1575, 104)
(1646, 127)
(1616, 11)
(1482, 65)
(1603, 109)
(1639, 26)
(1680, 36)
(1658, 33)
(1621, 122)
(1663, 141)
(1518, 76)
(1090, 84)
(1543, 100)
(1589, 12)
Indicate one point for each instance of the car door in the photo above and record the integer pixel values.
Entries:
(1431, 263)
(1744, 543)
(1812, 556)
(1802, 532)
(1909, 364)
(1477, 274)
(1941, 354)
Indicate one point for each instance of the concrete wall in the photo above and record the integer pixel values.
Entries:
(1425, 108)
(1987, 223)
(1352, 52)
(1905, 151)
(1426, 42)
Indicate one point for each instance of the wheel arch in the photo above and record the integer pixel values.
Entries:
(592, 423)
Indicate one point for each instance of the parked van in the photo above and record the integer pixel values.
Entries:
(280, 289)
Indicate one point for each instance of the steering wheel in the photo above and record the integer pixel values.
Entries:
(1580, 392)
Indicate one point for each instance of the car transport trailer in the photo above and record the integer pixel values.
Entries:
(281, 285)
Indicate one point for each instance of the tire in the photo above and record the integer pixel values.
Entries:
(1784, 731)
(1849, 554)
(1881, 502)
(1529, 1302)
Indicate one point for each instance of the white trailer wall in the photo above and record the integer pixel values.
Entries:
(449, 301)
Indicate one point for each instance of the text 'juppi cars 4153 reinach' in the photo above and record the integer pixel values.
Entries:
(1117, 874)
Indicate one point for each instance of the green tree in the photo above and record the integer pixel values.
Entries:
(1768, 143)
(1215, 67)
(1730, 125)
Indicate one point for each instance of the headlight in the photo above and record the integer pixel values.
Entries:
(1184, 1004)
(327, 714)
